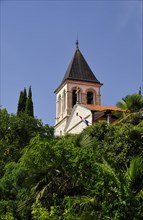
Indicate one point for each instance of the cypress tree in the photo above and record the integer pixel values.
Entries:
(24, 99)
(29, 104)
(22, 102)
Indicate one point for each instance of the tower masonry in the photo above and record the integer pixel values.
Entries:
(79, 86)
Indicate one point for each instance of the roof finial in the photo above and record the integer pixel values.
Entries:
(77, 41)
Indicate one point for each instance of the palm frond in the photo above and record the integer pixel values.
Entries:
(129, 117)
(86, 140)
(135, 169)
(140, 194)
(107, 169)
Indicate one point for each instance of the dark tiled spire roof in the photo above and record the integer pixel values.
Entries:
(78, 69)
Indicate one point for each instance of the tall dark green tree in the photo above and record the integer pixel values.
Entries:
(29, 104)
(22, 102)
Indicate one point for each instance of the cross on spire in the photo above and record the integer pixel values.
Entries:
(77, 43)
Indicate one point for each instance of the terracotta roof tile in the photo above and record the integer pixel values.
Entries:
(101, 107)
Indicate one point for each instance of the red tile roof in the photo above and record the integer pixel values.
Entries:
(101, 108)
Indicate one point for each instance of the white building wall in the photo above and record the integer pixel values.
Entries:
(62, 114)
(59, 128)
(76, 125)
(62, 119)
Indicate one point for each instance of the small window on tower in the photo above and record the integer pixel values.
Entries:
(64, 101)
(59, 105)
(89, 97)
(74, 97)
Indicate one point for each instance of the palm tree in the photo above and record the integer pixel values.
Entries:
(120, 196)
(133, 104)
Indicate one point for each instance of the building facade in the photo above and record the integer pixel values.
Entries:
(79, 86)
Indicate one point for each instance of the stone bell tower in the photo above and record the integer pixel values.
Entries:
(79, 85)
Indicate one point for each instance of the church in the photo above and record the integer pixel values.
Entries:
(78, 98)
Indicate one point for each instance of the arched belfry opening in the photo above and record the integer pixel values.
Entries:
(90, 98)
(74, 97)
(59, 105)
(64, 101)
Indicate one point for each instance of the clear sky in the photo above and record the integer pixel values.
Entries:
(38, 42)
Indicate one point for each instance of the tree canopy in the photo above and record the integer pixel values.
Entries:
(133, 102)
(97, 174)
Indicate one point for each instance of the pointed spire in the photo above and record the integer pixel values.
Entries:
(78, 69)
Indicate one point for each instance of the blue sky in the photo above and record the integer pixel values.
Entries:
(38, 42)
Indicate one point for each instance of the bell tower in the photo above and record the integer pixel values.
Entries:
(79, 86)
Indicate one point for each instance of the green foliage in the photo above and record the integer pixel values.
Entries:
(6, 210)
(7, 216)
(41, 213)
(97, 174)
(133, 102)
(116, 143)
(113, 196)
(16, 132)
(66, 178)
